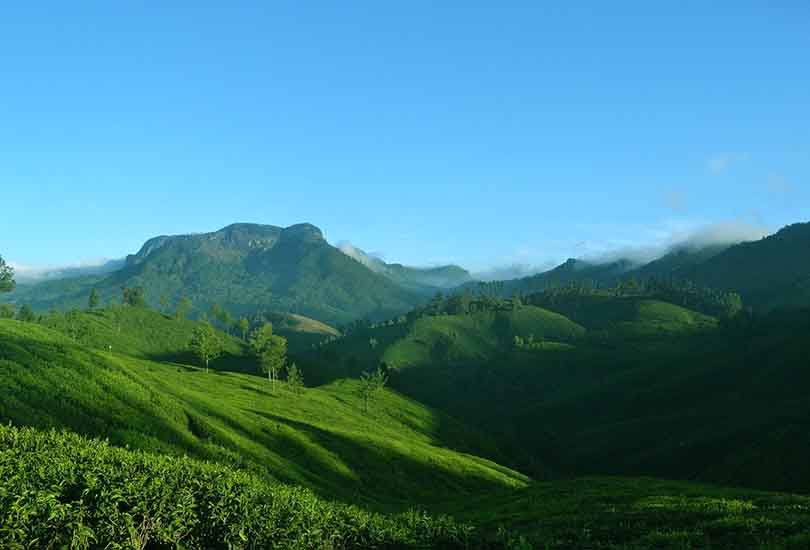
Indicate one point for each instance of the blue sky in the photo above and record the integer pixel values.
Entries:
(481, 133)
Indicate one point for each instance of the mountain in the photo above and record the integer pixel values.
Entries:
(573, 270)
(773, 272)
(678, 261)
(770, 273)
(418, 278)
(246, 268)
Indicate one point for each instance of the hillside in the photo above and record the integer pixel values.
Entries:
(302, 333)
(773, 272)
(632, 386)
(423, 279)
(143, 333)
(398, 454)
(81, 493)
(572, 271)
(440, 339)
(641, 513)
(245, 268)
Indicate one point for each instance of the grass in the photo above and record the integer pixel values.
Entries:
(399, 454)
(629, 513)
(696, 399)
(143, 333)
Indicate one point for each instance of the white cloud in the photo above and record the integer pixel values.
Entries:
(27, 272)
(672, 235)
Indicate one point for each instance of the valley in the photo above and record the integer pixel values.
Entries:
(507, 419)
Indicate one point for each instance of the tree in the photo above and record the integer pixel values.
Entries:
(270, 350)
(7, 311)
(244, 327)
(216, 311)
(371, 384)
(295, 380)
(205, 344)
(183, 308)
(6, 277)
(26, 314)
(94, 300)
(133, 297)
(75, 327)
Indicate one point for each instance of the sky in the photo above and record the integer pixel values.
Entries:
(482, 133)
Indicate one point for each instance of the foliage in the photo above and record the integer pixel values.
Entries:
(244, 327)
(94, 300)
(319, 439)
(270, 351)
(79, 493)
(183, 308)
(632, 513)
(26, 314)
(295, 379)
(371, 384)
(6, 277)
(205, 344)
(133, 297)
(7, 311)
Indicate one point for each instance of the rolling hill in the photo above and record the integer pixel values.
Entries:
(220, 458)
(321, 438)
(630, 385)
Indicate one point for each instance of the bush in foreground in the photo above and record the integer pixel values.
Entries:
(61, 490)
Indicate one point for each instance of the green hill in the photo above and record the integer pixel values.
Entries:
(245, 268)
(622, 385)
(302, 333)
(773, 272)
(440, 339)
(642, 513)
(399, 453)
(142, 333)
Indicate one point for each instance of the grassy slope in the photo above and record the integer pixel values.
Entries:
(302, 333)
(640, 513)
(433, 340)
(139, 332)
(399, 454)
(651, 388)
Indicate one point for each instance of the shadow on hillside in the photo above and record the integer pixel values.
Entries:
(226, 363)
(377, 471)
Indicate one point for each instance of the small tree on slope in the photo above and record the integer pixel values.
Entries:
(205, 344)
(270, 350)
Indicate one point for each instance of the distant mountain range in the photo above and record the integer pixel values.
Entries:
(248, 268)
(773, 272)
